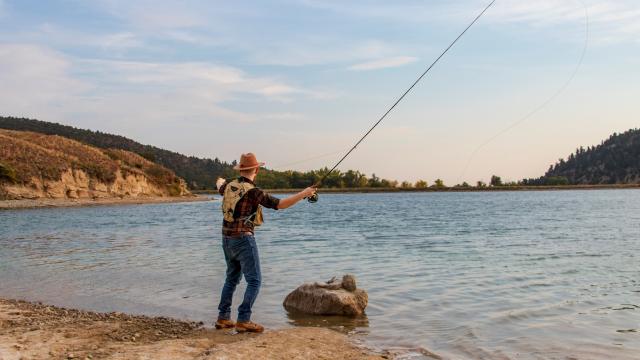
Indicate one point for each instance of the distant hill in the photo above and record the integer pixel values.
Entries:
(198, 173)
(34, 165)
(615, 161)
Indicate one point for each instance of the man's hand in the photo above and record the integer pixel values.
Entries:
(289, 201)
(220, 182)
(309, 191)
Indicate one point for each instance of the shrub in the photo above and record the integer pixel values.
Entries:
(7, 173)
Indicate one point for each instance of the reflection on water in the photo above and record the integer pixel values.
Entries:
(475, 275)
(345, 324)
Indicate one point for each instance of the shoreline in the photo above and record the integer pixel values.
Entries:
(31, 330)
(448, 189)
(63, 203)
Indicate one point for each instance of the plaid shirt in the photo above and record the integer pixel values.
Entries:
(247, 205)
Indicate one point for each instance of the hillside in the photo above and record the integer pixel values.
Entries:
(198, 173)
(615, 161)
(34, 165)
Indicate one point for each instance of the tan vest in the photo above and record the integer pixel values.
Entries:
(234, 191)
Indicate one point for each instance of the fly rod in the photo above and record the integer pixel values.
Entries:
(314, 198)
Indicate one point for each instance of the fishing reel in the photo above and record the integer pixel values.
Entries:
(313, 198)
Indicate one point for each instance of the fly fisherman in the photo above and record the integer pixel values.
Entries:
(242, 210)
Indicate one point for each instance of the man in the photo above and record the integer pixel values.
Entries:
(242, 210)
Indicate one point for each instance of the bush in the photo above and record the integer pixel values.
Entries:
(7, 173)
(102, 173)
(174, 189)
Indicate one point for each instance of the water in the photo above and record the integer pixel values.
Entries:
(464, 275)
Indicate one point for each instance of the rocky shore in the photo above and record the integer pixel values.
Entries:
(38, 331)
(55, 203)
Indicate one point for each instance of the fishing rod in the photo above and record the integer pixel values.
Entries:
(314, 198)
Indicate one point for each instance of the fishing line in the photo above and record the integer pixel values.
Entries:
(314, 198)
(544, 104)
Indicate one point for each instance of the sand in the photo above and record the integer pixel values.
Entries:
(57, 203)
(39, 331)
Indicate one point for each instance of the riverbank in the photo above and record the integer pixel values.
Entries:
(37, 331)
(57, 203)
(448, 189)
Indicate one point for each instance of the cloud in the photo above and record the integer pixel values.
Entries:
(611, 20)
(314, 50)
(383, 63)
(119, 41)
(42, 83)
(33, 78)
(114, 44)
(218, 82)
(155, 15)
(285, 116)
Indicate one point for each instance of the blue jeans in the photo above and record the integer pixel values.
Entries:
(241, 254)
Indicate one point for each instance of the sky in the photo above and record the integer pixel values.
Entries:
(298, 82)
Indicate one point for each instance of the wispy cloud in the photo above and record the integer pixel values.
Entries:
(285, 116)
(35, 78)
(383, 63)
(315, 50)
(43, 83)
(154, 15)
(611, 20)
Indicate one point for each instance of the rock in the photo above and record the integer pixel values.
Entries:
(349, 282)
(331, 298)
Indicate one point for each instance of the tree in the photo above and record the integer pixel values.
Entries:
(374, 181)
(481, 184)
(421, 184)
(406, 185)
(496, 180)
(438, 183)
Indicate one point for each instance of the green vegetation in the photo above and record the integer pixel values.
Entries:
(7, 173)
(198, 173)
(615, 161)
(421, 184)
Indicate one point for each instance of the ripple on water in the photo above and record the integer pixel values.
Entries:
(478, 275)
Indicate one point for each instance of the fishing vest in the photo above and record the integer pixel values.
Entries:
(234, 191)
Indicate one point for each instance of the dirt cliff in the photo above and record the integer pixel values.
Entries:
(34, 165)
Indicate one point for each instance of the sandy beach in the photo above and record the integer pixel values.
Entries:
(57, 203)
(38, 331)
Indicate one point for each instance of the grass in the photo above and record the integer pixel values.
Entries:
(26, 155)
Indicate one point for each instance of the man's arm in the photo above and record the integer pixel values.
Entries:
(293, 199)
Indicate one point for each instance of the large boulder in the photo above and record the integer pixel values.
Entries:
(334, 297)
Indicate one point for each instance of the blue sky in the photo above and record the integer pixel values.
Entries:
(293, 80)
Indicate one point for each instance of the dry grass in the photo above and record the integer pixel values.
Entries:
(31, 155)
(133, 163)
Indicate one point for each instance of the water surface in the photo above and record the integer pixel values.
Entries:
(465, 275)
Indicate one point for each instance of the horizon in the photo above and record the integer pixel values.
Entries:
(314, 83)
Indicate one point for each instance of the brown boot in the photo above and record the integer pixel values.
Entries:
(248, 326)
(224, 324)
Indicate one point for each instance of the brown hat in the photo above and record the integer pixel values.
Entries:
(248, 161)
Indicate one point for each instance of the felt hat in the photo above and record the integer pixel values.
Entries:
(248, 161)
